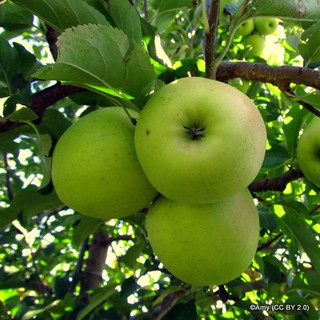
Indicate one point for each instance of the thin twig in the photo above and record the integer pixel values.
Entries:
(210, 39)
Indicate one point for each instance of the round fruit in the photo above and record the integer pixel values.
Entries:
(204, 244)
(308, 151)
(95, 170)
(256, 43)
(200, 140)
(245, 28)
(265, 25)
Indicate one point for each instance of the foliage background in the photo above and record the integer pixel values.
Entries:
(58, 264)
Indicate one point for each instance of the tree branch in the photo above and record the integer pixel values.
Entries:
(168, 303)
(96, 261)
(41, 100)
(210, 39)
(280, 76)
(276, 184)
(52, 36)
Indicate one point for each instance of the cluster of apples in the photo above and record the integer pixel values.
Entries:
(195, 148)
(253, 30)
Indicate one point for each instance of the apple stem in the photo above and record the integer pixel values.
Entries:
(196, 133)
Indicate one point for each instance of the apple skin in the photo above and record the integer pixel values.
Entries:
(224, 161)
(95, 169)
(256, 43)
(245, 28)
(308, 151)
(204, 244)
(265, 25)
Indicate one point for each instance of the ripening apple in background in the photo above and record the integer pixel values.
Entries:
(245, 28)
(199, 140)
(204, 244)
(95, 169)
(255, 42)
(265, 25)
(308, 151)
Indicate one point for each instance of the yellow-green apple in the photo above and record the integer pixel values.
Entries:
(255, 42)
(308, 151)
(199, 140)
(204, 244)
(265, 25)
(245, 28)
(95, 169)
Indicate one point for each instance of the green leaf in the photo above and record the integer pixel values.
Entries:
(100, 296)
(139, 70)
(8, 62)
(310, 48)
(165, 5)
(28, 62)
(28, 202)
(13, 17)
(23, 114)
(126, 18)
(63, 14)
(292, 128)
(303, 238)
(45, 145)
(182, 311)
(84, 228)
(97, 58)
(275, 156)
(132, 254)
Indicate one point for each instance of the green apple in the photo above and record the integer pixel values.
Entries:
(95, 169)
(204, 244)
(245, 28)
(255, 42)
(265, 25)
(199, 140)
(308, 151)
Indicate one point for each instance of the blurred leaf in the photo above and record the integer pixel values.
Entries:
(9, 61)
(292, 127)
(128, 287)
(126, 18)
(275, 156)
(132, 254)
(24, 114)
(165, 5)
(13, 17)
(271, 269)
(45, 146)
(267, 220)
(63, 14)
(101, 295)
(310, 49)
(302, 235)
(84, 228)
(28, 202)
(182, 311)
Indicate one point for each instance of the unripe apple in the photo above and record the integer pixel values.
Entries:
(95, 169)
(245, 28)
(265, 25)
(207, 244)
(255, 42)
(308, 151)
(200, 140)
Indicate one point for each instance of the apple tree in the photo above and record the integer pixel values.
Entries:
(61, 60)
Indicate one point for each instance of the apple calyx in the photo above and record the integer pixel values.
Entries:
(195, 132)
